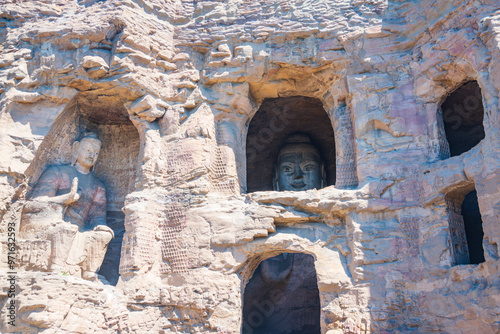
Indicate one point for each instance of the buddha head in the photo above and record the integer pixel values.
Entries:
(86, 151)
(299, 166)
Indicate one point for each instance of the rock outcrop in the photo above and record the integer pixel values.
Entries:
(172, 88)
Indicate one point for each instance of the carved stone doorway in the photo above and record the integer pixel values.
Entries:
(473, 227)
(466, 226)
(283, 297)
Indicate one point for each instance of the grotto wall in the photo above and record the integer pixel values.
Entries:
(172, 88)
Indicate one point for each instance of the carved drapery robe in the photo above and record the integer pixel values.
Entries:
(90, 210)
(74, 243)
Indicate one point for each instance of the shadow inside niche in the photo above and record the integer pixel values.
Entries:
(463, 114)
(473, 224)
(466, 226)
(282, 297)
(116, 167)
(274, 122)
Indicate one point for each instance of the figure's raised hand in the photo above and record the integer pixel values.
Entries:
(73, 195)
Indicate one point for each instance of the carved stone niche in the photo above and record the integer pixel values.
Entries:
(282, 296)
(461, 120)
(116, 167)
(466, 226)
(274, 122)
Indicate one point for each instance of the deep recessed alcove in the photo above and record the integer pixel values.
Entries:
(116, 167)
(473, 224)
(274, 122)
(117, 163)
(466, 226)
(282, 297)
(463, 114)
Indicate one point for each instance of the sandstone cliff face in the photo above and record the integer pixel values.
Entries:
(173, 86)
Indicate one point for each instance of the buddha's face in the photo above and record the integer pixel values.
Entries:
(299, 168)
(87, 152)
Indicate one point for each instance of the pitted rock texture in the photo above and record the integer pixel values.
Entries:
(173, 87)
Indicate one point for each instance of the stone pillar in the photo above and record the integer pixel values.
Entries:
(345, 150)
(444, 147)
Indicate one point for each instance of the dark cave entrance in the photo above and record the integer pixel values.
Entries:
(463, 114)
(283, 297)
(466, 227)
(473, 224)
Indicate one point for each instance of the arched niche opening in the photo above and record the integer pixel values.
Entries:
(466, 226)
(274, 122)
(282, 296)
(462, 114)
(116, 166)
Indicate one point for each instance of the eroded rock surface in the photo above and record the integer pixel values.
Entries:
(172, 87)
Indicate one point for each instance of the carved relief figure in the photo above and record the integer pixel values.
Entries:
(299, 165)
(68, 207)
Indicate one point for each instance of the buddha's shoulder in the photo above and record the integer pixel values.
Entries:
(60, 169)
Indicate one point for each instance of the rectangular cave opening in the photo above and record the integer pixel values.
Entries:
(466, 227)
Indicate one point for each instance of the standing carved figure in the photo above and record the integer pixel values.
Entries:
(68, 207)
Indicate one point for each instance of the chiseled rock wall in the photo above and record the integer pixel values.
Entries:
(189, 76)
